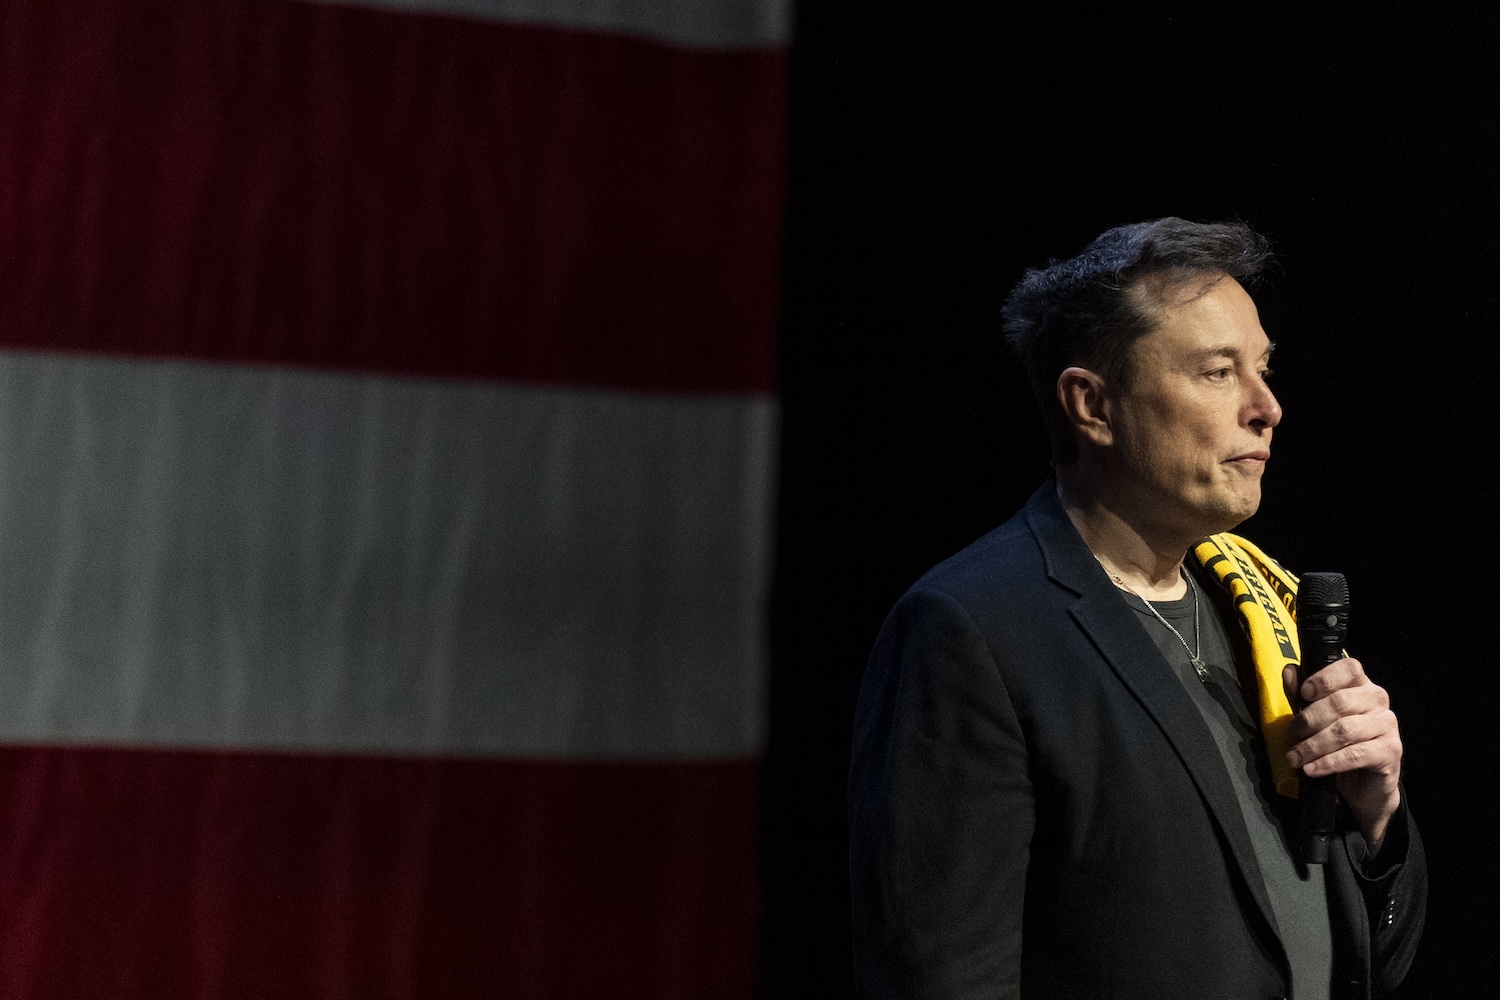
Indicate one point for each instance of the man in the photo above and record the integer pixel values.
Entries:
(1071, 736)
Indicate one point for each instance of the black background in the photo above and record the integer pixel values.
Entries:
(937, 152)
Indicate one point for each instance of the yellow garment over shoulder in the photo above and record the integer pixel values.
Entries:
(1265, 599)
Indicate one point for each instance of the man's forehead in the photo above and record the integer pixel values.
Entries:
(1223, 319)
(1195, 345)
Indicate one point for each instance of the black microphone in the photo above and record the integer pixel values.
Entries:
(1322, 631)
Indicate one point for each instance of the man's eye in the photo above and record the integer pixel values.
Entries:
(1266, 373)
(1219, 374)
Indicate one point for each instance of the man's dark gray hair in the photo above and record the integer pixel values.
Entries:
(1090, 310)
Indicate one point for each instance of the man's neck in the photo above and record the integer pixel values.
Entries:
(1135, 558)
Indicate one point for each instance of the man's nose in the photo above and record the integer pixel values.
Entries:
(1263, 409)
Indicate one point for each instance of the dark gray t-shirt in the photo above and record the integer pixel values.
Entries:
(1229, 708)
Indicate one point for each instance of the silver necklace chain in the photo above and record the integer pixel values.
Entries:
(1193, 656)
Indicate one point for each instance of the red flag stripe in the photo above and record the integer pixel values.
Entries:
(292, 183)
(158, 874)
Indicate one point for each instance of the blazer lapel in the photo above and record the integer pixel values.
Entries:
(1114, 631)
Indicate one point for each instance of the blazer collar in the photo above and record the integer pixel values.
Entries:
(1116, 632)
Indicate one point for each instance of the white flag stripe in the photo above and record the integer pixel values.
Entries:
(218, 556)
(708, 24)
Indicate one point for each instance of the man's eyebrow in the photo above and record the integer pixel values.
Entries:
(1229, 351)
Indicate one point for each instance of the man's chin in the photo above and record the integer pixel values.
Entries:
(1234, 513)
(1223, 510)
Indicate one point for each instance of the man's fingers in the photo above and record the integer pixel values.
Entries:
(1365, 699)
(1382, 755)
(1353, 741)
(1344, 673)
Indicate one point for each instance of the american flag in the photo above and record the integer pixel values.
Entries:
(387, 438)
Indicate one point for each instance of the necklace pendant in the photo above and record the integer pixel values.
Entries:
(1202, 669)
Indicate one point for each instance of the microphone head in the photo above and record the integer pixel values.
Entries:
(1322, 589)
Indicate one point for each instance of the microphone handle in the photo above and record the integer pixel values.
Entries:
(1322, 631)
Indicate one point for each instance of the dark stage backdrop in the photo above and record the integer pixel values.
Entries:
(936, 154)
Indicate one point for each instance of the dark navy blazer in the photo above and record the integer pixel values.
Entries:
(1037, 808)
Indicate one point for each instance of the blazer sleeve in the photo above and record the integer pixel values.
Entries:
(940, 812)
(1394, 891)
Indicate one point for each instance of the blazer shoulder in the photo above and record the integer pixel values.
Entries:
(1000, 567)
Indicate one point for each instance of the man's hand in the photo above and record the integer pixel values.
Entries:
(1346, 728)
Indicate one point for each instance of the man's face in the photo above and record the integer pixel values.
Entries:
(1194, 427)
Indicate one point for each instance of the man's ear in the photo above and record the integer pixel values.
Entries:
(1086, 406)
